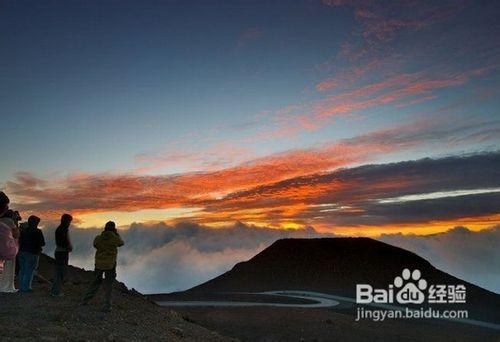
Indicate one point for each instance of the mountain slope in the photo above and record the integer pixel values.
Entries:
(335, 266)
(36, 316)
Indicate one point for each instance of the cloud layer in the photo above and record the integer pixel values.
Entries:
(164, 258)
(473, 256)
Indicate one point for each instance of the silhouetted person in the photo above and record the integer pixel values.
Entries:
(8, 244)
(4, 202)
(61, 255)
(22, 226)
(106, 245)
(31, 242)
(10, 219)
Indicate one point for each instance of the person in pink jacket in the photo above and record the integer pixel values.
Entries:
(11, 219)
(8, 244)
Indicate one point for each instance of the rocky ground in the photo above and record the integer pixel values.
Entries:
(38, 317)
(265, 324)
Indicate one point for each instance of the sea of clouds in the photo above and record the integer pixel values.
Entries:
(161, 258)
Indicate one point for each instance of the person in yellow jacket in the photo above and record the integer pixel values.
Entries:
(106, 245)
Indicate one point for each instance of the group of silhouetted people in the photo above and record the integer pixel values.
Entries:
(22, 243)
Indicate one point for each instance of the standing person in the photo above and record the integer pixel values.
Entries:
(31, 242)
(22, 225)
(106, 245)
(8, 244)
(10, 219)
(61, 255)
(4, 202)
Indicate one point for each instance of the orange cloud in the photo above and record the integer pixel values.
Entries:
(382, 21)
(296, 186)
(475, 223)
(400, 90)
(216, 156)
(348, 76)
(392, 90)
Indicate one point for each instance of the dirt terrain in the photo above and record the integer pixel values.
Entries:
(296, 324)
(38, 317)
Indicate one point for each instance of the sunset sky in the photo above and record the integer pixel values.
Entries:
(353, 117)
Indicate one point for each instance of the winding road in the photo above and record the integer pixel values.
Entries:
(319, 301)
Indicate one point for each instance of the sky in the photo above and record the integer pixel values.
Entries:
(351, 117)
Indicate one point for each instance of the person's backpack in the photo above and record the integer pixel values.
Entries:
(8, 245)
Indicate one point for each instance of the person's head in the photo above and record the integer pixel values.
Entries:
(110, 226)
(33, 221)
(13, 215)
(4, 203)
(66, 220)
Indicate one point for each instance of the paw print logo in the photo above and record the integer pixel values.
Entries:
(411, 287)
